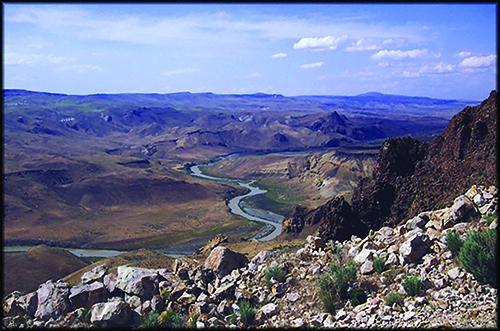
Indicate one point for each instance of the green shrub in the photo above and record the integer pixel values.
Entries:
(334, 286)
(274, 272)
(392, 298)
(150, 321)
(337, 251)
(413, 285)
(478, 256)
(327, 293)
(233, 319)
(453, 242)
(344, 276)
(357, 297)
(247, 313)
(379, 264)
(171, 319)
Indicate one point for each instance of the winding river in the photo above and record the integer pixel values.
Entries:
(272, 220)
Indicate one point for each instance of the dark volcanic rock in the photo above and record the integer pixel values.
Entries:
(411, 177)
(335, 216)
(373, 199)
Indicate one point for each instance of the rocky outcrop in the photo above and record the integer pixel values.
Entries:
(434, 173)
(210, 294)
(411, 176)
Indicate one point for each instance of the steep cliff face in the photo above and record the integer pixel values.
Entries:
(411, 176)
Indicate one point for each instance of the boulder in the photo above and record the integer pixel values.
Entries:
(223, 260)
(416, 222)
(11, 305)
(266, 311)
(366, 267)
(29, 303)
(114, 313)
(364, 255)
(138, 281)
(415, 247)
(226, 291)
(461, 209)
(52, 300)
(186, 298)
(86, 295)
(95, 274)
(109, 282)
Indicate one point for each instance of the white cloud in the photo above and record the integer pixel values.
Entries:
(278, 55)
(478, 61)
(401, 55)
(440, 68)
(312, 65)
(362, 45)
(179, 71)
(464, 54)
(425, 27)
(327, 42)
(15, 58)
(254, 75)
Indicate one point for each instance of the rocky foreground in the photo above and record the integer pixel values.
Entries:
(212, 294)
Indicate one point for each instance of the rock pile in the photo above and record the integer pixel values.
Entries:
(210, 294)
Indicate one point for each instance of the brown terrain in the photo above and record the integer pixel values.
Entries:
(111, 175)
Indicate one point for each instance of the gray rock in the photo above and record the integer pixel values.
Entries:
(109, 282)
(52, 300)
(95, 274)
(266, 311)
(462, 207)
(29, 303)
(415, 247)
(223, 260)
(364, 255)
(115, 312)
(292, 297)
(86, 295)
(133, 301)
(366, 267)
(137, 281)
(11, 305)
(454, 273)
(416, 222)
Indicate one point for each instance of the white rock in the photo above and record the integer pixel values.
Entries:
(292, 297)
(454, 273)
(408, 315)
(364, 255)
(366, 267)
(341, 314)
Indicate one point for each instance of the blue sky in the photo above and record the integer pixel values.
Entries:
(435, 50)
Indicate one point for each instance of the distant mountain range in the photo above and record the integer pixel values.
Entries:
(371, 103)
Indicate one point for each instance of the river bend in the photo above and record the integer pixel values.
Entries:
(272, 220)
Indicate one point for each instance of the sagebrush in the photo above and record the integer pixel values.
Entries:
(478, 256)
